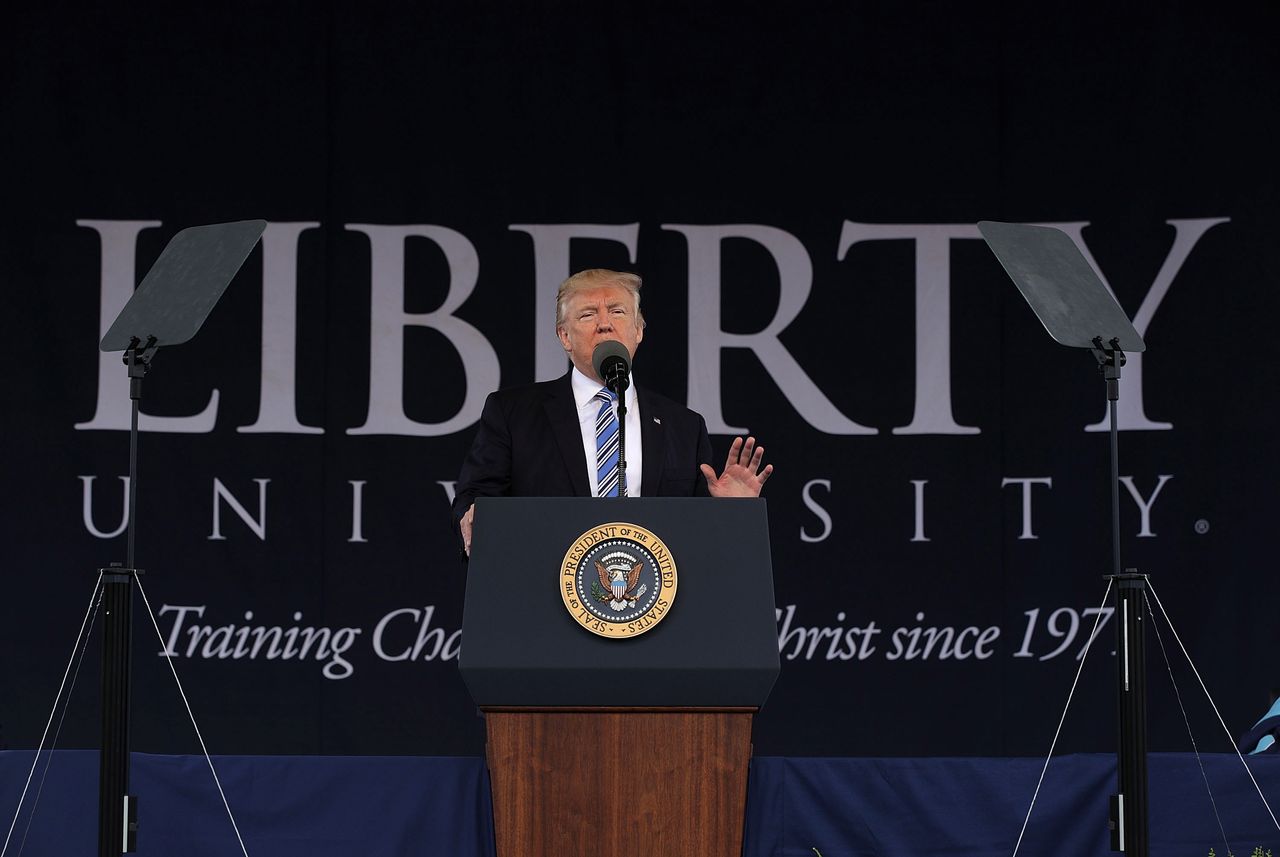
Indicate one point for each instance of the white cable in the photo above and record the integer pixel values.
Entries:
(1223, 723)
(164, 649)
(1083, 657)
(57, 733)
(49, 722)
(1187, 721)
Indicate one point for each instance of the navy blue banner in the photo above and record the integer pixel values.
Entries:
(799, 191)
(838, 807)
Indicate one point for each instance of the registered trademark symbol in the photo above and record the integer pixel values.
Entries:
(1202, 526)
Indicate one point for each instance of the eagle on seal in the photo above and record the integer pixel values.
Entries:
(622, 584)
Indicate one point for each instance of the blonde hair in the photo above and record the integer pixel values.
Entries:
(595, 277)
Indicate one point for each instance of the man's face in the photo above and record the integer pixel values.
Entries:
(593, 315)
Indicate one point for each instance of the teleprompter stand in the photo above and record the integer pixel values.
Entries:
(169, 308)
(1079, 311)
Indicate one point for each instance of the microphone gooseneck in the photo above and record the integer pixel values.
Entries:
(612, 363)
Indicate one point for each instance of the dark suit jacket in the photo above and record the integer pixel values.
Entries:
(529, 444)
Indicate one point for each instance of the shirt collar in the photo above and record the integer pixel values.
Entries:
(584, 389)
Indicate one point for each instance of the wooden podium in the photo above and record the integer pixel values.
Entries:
(569, 781)
(610, 747)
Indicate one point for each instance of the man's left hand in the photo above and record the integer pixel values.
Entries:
(742, 476)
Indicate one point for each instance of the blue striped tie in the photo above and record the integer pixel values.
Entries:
(606, 445)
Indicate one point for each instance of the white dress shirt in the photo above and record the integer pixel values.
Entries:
(584, 391)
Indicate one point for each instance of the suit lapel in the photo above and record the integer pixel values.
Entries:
(562, 414)
(652, 443)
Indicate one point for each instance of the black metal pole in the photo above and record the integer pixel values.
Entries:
(617, 385)
(622, 443)
(1115, 478)
(136, 372)
(113, 774)
(1130, 814)
(117, 809)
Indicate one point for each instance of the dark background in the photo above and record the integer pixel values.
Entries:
(803, 117)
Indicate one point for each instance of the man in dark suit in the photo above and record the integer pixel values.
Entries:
(540, 440)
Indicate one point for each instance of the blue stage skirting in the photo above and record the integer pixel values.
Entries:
(314, 806)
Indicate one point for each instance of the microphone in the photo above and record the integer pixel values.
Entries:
(613, 365)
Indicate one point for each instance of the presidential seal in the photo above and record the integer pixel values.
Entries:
(618, 580)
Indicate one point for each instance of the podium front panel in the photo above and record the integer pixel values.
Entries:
(716, 647)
